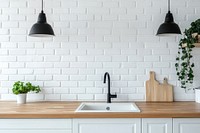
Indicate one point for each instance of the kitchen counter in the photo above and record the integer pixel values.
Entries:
(67, 110)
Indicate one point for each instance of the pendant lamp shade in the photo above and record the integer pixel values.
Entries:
(41, 28)
(169, 26)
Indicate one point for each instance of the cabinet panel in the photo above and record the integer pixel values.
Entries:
(156, 125)
(186, 125)
(35, 124)
(107, 125)
(35, 131)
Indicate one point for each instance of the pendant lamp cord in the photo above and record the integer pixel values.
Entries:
(42, 5)
(168, 5)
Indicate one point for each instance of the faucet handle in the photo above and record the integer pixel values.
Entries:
(114, 95)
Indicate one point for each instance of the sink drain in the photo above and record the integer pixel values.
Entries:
(107, 108)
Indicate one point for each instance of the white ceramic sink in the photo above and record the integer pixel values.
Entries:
(108, 107)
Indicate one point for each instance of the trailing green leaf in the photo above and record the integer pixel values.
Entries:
(184, 67)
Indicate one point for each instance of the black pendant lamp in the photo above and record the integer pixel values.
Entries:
(41, 28)
(168, 27)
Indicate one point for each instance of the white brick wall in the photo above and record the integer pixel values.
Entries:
(92, 37)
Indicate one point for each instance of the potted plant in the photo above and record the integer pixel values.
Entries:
(21, 90)
(184, 66)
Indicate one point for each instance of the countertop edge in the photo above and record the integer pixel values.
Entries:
(99, 115)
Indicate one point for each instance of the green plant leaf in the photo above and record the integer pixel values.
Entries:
(20, 88)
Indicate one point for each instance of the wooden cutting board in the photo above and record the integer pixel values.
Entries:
(156, 92)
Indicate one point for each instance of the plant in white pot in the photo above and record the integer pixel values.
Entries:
(21, 90)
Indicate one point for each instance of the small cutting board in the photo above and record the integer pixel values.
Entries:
(156, 92)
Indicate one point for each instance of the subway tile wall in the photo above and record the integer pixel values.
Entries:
(92, 37)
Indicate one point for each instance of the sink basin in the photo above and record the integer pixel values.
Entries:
(108, 107)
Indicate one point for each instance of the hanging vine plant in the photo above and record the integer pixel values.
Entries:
(184, 66)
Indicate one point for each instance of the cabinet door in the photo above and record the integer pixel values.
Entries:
(157, 125)
(186, 125)
(107, 126)
(35, 125)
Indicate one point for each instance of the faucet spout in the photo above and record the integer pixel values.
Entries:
(109, 95)
(107, 75)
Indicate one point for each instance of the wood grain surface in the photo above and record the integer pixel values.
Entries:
(67, 110)
(158, 92)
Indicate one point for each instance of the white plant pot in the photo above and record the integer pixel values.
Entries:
(21, 98)
(197, 95)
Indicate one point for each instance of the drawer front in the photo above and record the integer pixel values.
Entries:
(35, 124)
(107, 126)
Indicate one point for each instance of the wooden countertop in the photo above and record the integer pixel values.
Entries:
(66, 110)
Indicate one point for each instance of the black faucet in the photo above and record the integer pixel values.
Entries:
(109, 95)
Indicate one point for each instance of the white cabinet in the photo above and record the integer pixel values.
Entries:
(156, 125)
(186, 125)
(101, 125)
(107, 125)
(35, 126)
